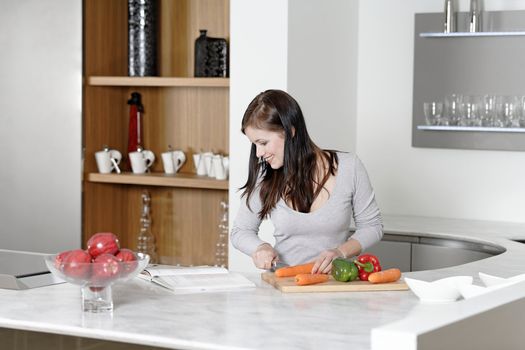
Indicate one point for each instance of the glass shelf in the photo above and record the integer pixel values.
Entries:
(158, 81)
(470, 128)
(160, 179)
(468, 34)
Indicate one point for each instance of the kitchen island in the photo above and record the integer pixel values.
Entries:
(264, 318)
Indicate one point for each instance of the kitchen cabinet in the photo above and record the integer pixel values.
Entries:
(190, 114)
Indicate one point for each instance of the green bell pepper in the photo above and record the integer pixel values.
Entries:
(344, 270)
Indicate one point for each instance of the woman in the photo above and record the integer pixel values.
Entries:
(309, 194)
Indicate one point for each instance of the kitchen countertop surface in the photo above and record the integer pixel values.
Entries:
(264, 318)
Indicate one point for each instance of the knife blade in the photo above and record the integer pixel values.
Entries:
(277, 265)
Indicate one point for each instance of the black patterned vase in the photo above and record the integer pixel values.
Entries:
(142, 38)
(211, 56)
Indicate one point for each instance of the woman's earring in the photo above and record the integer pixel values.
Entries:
(261, 160)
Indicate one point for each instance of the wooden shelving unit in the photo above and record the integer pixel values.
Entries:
(190, 114)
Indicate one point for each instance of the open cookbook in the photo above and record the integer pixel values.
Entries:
(195, 278)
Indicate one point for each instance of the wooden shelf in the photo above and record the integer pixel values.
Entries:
(158, 81)
(160, 179)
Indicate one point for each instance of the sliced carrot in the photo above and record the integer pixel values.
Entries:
(385, 276)
(304, 279)
(290, 271)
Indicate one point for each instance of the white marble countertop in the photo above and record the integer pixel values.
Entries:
(264, 318)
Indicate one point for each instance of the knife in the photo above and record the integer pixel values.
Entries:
(277, 265)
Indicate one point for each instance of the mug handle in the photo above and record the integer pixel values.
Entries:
(115, 164)
(116, 155)
(179, 158)
(149, 156)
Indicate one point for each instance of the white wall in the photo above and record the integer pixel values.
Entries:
(366, 105)
(258, 61)
(322, 68)
(470, 184)
(306, 47)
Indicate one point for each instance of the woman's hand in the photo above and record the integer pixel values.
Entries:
(263, 256)
(323, 263)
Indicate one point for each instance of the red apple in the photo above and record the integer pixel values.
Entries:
(126, 255)
(59, 259)
(77, 264)
(128, 261)
(105, 268)
(103, 243)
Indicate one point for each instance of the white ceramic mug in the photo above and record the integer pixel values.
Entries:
(167, 162)
(173, 161)
(141, 161)
(226, 165)
(179, 158)
(202, 163)
(206, 158)
(218, 167)
(107, 160)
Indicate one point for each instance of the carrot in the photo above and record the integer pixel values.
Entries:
(385, 276)
(290, 271)
(304, 279)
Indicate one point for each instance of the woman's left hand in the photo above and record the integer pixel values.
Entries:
(323, 263)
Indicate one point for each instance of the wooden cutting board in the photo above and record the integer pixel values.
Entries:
(287, 285)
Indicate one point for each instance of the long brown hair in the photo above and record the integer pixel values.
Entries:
(296, 181)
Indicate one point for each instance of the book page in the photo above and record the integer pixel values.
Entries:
(168, 270)
(204, 282)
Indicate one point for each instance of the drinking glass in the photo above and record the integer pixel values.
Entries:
(507, 115)
(521, 111)
(488, 110)
(433, 113)
(470, 108)
(452, 109)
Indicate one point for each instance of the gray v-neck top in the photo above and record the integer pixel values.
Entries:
(300, 237)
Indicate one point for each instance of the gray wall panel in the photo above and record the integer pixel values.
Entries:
(468, 66)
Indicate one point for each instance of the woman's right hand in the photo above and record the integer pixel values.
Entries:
(263, 256)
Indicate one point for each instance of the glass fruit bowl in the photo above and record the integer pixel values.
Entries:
(96, 278)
